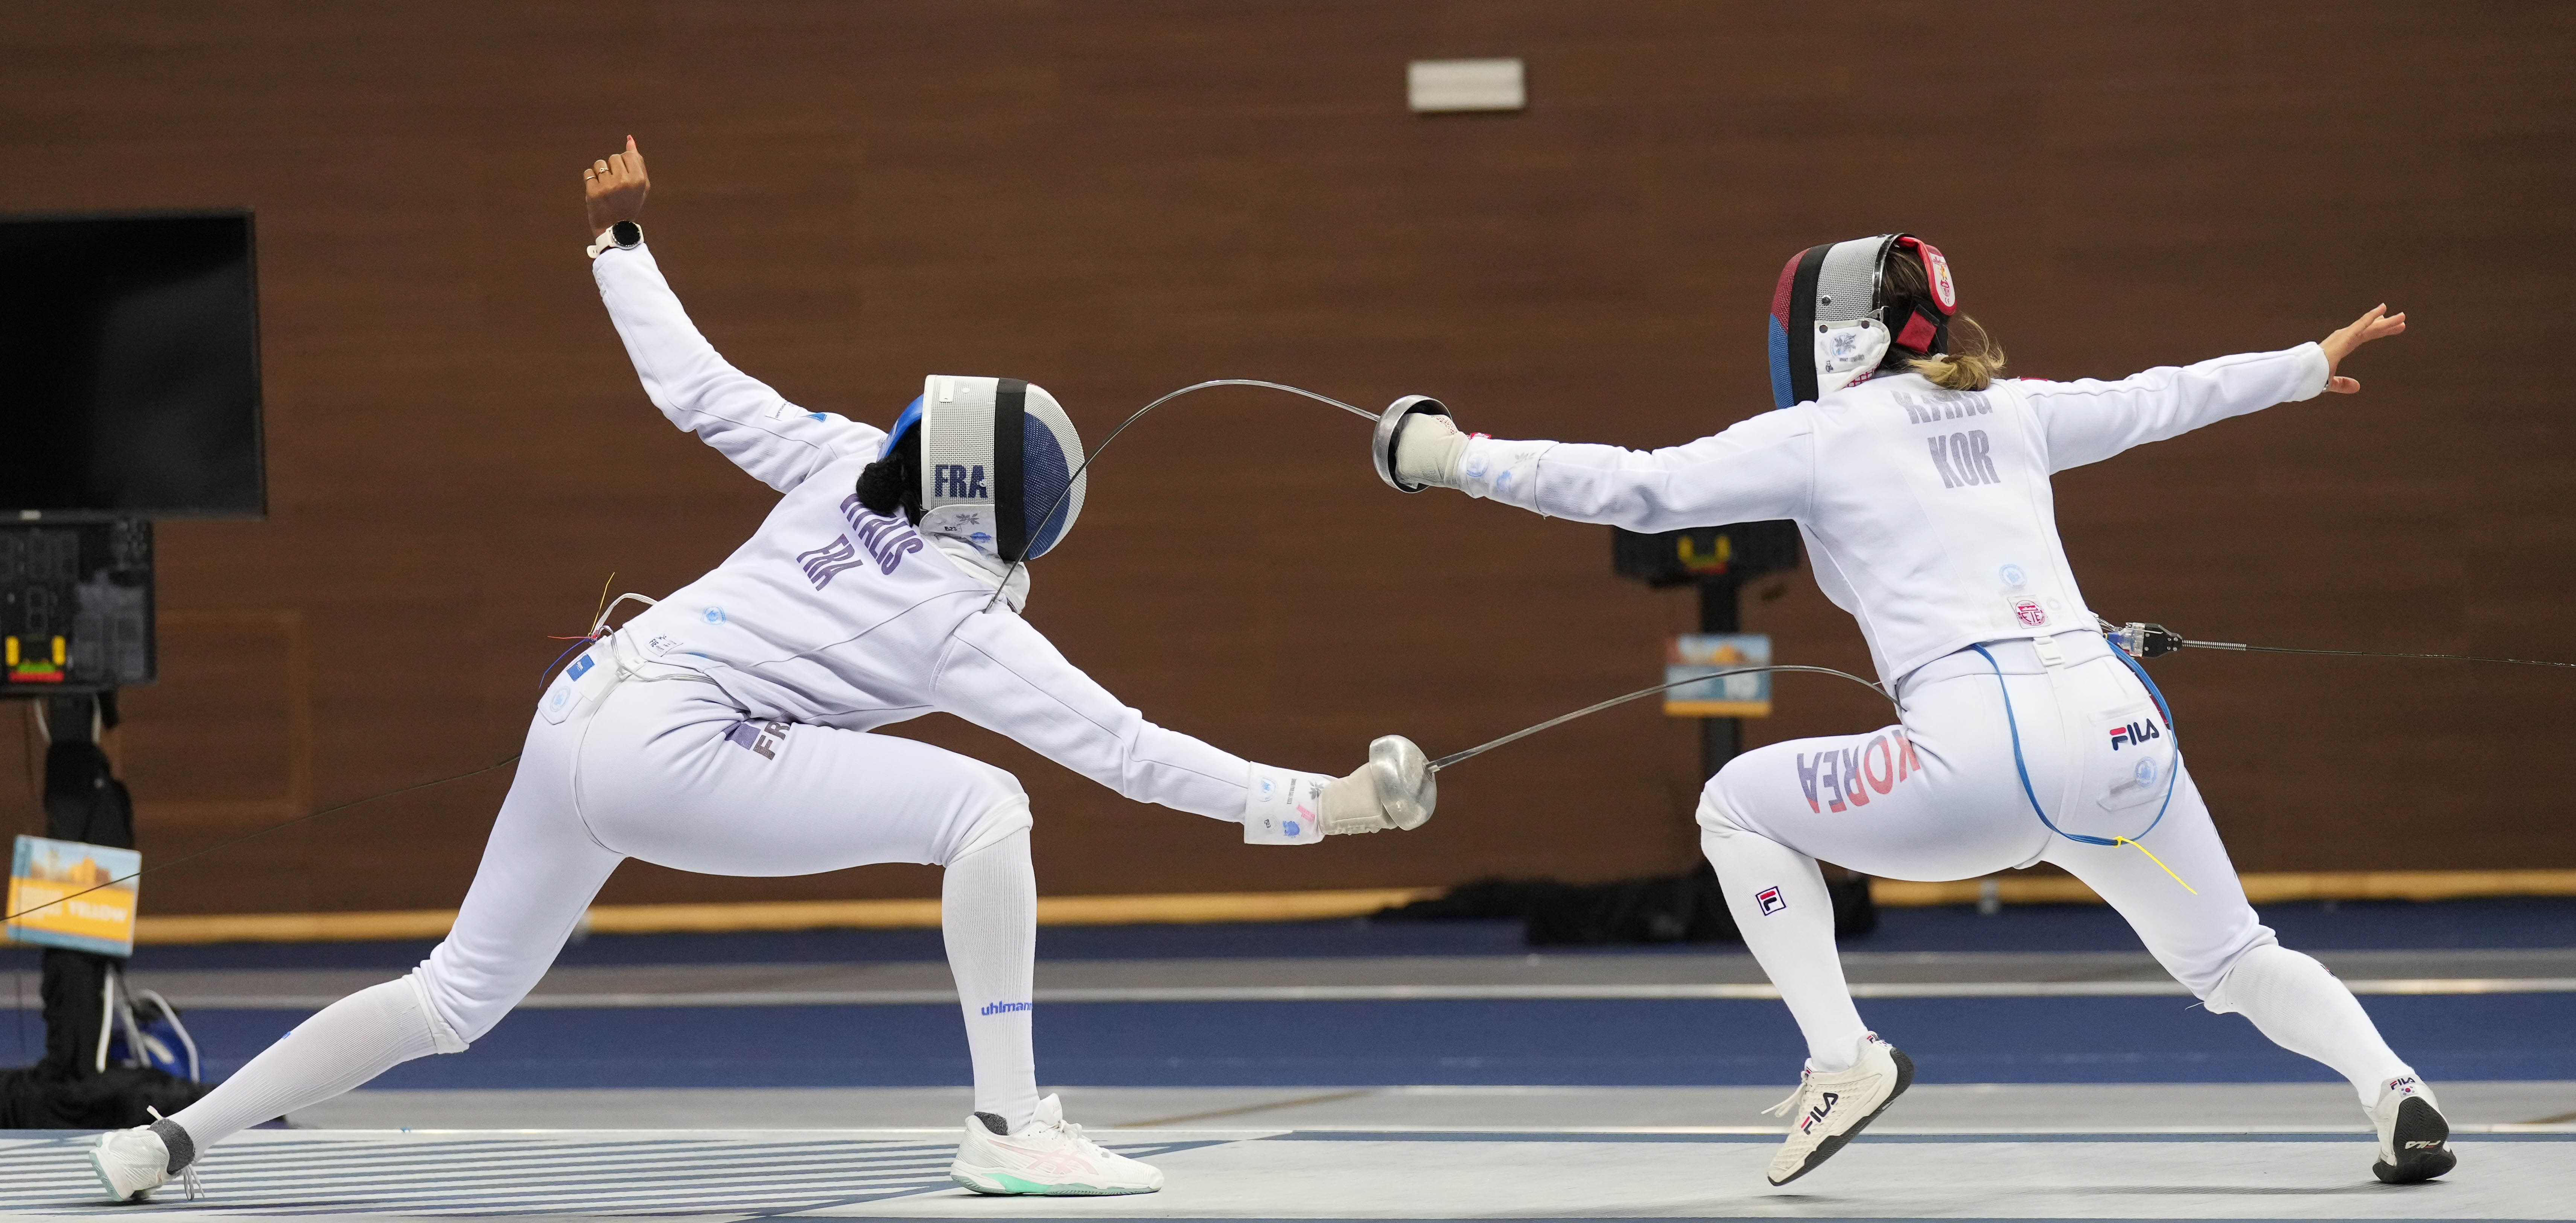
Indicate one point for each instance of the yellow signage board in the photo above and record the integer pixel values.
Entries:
(1722, 696)
(66, 894)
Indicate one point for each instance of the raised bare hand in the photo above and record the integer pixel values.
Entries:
(613, 188)
(2376, 324)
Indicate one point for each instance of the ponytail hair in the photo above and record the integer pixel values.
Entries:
(1974, 358)
(1971, 365)
(894, 482)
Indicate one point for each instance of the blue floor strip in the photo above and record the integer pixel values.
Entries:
(2315, 926)
(1554, 1042)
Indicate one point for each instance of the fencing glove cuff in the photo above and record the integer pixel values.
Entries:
(1417, 445)
(1395, 789)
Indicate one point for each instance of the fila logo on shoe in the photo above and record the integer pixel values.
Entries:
(1818, 1113)
(2406, 1086)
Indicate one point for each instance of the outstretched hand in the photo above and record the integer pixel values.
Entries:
(613, 188)
(2376, 324)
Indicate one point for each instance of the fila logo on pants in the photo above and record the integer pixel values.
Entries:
(2135, 734)
(1770, 900)
(1839, 779)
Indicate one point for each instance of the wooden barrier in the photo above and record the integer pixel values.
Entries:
(1185, 907)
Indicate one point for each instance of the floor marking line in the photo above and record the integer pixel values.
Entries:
(1603, 991)
(1212, 1114)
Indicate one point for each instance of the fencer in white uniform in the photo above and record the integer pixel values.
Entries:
(726, 731)
(2024, 736)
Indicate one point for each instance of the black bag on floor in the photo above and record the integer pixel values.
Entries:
(1685, 908)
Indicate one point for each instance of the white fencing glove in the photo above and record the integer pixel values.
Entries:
(1417, 445)
(1395, 789)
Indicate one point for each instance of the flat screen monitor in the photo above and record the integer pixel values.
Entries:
(129, 367)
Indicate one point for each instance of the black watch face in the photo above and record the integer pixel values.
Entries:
(626, 234)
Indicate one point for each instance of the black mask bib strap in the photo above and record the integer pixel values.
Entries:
(1010, 441)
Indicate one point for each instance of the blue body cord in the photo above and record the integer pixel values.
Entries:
(2024, 768)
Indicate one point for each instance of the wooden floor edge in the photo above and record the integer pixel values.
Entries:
(1200, 907)
(2261, 888)
(1152, 909)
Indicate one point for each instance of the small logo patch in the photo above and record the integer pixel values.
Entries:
(1944, 289)
(2133, 734)
(581, 666)
(762, 739)
(2029, 612)
(1770, 900)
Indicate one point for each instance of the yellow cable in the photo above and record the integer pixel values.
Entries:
(2151, 857)
(602, 609)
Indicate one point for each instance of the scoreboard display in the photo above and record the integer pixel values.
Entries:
(75, 607)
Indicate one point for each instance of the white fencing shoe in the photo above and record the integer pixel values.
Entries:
(1044, 1156)
(130, 1163)
(1828, 1109)
(2414, 1140)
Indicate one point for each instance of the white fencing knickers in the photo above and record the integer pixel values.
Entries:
(1939, 797)
(661, 767)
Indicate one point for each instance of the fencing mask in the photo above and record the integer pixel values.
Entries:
(1828, 324)
(994, 455)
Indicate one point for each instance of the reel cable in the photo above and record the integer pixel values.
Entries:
(2139, 640)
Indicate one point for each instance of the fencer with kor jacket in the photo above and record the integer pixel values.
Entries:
(1929, 517)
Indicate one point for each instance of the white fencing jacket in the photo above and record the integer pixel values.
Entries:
(833, 615)
(1927, 512)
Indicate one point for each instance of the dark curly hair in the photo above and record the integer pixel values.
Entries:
(895, 481)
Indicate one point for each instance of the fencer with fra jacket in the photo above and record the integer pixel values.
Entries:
(725, 731)
(1929, 517)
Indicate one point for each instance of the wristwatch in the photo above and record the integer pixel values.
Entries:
(624, 235)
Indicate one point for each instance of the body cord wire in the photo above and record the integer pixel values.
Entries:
(2013, 723)
(2283, 649)
(1515, 736)
(1071, 481)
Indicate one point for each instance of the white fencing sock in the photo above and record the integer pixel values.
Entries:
(345, 1044)
(1780, 904)
(2306, 1010)
(988, 914)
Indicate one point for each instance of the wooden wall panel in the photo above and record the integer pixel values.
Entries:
(1118, 198)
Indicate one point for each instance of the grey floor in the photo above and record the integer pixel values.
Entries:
(1943, 1107)
(2064, 1151)
(1243, 1173)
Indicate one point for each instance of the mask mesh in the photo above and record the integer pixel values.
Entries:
(957, 442)
(1847, 284)
(1051, 450)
